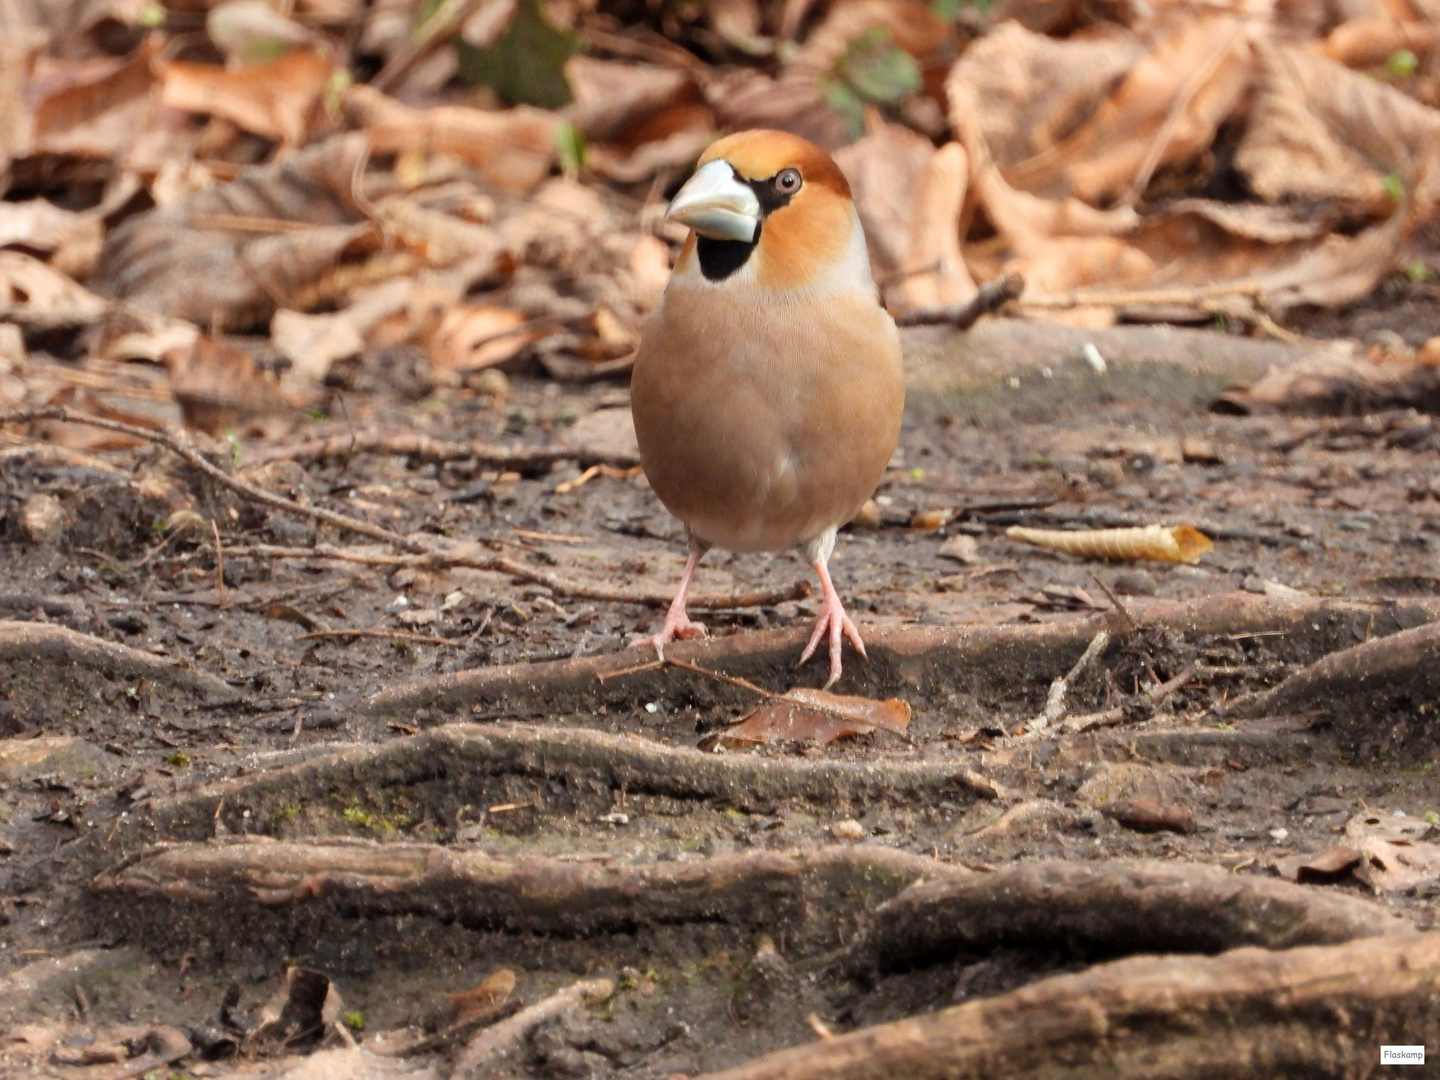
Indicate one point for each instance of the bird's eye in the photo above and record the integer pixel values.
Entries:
(787, 182)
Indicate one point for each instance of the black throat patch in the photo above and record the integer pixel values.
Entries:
(721, 258)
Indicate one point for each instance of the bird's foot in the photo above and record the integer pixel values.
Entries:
(833, 621)
(676, 625)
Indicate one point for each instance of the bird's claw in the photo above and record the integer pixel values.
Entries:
(833, 621)
(684, 628)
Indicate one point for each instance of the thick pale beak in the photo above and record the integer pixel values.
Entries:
(716, 205)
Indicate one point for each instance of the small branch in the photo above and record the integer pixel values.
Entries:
(990, 298)
(1055, 702)
(1110, 717)
(562, 586)
(490, 1048)
(192, 457)
(378, 632)
(429, 450)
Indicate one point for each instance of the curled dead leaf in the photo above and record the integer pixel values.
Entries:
(275, 99)
(71, 242)
(483, 1001)
(513, 150)
(480, 335)
(804, 715)
(1183, 543)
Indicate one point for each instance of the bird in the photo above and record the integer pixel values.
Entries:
(767, 390)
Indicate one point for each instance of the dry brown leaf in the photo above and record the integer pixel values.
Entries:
(229, 255)
(275, 100)
(794, 102)
(311, 343)
(1397, 852)
(513, 150)
(219, 387)
(804, 715)
(1318, 130)
(1165, 110)
(611, 97)
(1028, 91)
(1183, 543)
(479, 336)
(934, 267)
(38, 297)
(483, 1001)
(883, 169)
(70, 23)
(1320, 868)
(738, 23)
(649, 271)
(131, 334)
(911, 25)
(70, 242)
(670, 141)
(93, 108)
(1370, 40)
(251, 31)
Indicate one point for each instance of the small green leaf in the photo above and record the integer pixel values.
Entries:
(1417, 271)
(1432, 817)
(848, 104)
(877, 70)
(152, 16)
(1394, 186)
(526, 66)
(1402, 64)
(179, 759)
(570, 148)
(355, 1020)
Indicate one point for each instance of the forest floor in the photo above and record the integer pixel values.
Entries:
(416, 775)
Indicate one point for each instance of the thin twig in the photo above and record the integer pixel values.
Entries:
(733, 680)
(465, 557)
(422, 447)
(175, 446)
(1074, 725)
(378, 632)
(990, 297)
(1055, 701)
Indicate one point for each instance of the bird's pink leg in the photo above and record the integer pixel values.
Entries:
(832, 619)
(677, 623)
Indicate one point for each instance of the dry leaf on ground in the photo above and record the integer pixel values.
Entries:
(805, 715)
(69, 241)
(513, 150)
(275, 100)
(1183, 543)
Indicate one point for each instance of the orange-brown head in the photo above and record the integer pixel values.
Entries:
(772, 210)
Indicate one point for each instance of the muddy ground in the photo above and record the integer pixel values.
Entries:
(552, 834)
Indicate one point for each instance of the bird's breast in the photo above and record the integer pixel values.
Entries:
(762, 423)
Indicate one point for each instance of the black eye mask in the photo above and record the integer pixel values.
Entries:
(721, 258)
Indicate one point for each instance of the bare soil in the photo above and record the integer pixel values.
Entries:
(259, 790)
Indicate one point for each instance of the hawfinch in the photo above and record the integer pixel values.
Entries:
(767, 389)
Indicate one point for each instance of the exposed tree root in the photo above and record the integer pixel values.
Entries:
(286, 891)
(1107, 908)
(1357, 687)
(451, 765)
(41, 655)
(1250, 1014)
(920, 663)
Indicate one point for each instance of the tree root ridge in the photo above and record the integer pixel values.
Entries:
(591, 765)
(1248, 1014)
(1107, 908)
(919, 663)
(812, 898)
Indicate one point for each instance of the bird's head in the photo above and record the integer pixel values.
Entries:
(770, 209)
